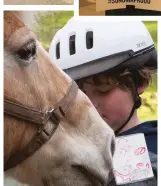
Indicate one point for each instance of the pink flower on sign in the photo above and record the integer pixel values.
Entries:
(139, 165)
(140, 150)
(147, 165)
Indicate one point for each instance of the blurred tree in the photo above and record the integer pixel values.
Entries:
(48, 23)
(152, 27)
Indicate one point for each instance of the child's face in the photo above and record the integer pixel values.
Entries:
(114, 105)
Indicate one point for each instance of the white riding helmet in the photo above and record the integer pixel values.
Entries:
(86, 46)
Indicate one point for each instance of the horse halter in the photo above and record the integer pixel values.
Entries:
(45, 130)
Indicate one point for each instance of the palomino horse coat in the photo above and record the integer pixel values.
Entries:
(80, 150)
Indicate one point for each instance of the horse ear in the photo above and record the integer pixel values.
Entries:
(11, 23)
(18, 14)
(27, 17)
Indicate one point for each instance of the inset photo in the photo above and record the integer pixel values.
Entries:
(38, 2)
(80, 93)
(119, 7)
(88, 8)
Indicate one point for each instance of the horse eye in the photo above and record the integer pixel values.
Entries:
(27, 51)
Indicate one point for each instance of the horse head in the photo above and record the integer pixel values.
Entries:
(80, 146)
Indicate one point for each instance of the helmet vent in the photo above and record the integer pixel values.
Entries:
(58, 50)
(89, 39)
(72, 44)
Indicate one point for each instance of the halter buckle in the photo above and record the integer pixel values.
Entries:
(53, 116)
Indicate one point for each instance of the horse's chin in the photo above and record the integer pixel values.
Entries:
(79, 179)
(73, 182)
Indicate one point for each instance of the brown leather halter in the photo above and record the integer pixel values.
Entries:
(45, 130)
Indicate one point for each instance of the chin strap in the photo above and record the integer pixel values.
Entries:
(136, 105)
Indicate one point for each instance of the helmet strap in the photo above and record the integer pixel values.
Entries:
(137, 104)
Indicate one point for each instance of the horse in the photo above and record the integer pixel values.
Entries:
(53, 135)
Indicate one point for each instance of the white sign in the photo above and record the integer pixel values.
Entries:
(131, 159)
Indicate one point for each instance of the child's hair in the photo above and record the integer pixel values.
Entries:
(126, 80)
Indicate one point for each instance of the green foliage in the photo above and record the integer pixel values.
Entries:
(152, 27)
(153, 84)
(48, 23)
(148, 110)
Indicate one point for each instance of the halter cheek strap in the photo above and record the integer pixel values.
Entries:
(45, 129)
